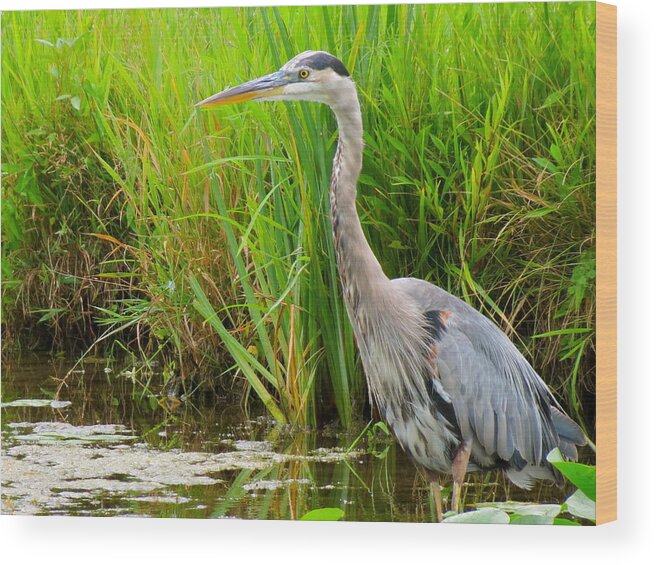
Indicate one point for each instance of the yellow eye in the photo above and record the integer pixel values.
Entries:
(304, 73)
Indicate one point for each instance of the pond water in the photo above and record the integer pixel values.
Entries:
(108, 447)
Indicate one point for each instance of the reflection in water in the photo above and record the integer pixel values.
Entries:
(201, 458)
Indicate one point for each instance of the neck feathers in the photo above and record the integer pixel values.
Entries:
(360, 272)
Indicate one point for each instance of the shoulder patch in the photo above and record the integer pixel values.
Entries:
(436, 323)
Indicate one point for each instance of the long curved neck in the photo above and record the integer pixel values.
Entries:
(361, 274)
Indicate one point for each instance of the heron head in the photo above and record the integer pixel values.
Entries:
(314, 76)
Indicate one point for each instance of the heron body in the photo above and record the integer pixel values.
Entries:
(455, 391)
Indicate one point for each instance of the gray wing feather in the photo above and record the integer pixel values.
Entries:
(499, 400)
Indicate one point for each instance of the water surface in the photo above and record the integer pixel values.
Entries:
(110, 447)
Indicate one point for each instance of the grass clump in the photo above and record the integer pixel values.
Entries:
(206, 238)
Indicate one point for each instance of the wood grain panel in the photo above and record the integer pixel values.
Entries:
(606, 350)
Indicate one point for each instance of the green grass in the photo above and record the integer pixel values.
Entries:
(205, 236)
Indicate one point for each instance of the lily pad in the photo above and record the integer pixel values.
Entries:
(480, 516)
(581, 476)
(531, 520)
(324, 515)
(580, 505)
(549, 511)
(565, 522)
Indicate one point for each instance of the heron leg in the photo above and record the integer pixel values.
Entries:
(458, 470)
(436, 490)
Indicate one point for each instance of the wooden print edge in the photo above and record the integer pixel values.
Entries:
(606, 226)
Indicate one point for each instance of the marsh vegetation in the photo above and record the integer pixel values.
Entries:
(197, 247)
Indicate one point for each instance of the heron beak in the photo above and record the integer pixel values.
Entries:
(263, 87)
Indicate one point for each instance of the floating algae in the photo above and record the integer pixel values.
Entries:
(55, 432)
(56, 468)
(36, 403)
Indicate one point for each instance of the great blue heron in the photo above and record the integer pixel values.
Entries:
(455, 391)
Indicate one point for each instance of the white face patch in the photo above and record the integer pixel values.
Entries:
(305, 90)
(323, 86)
